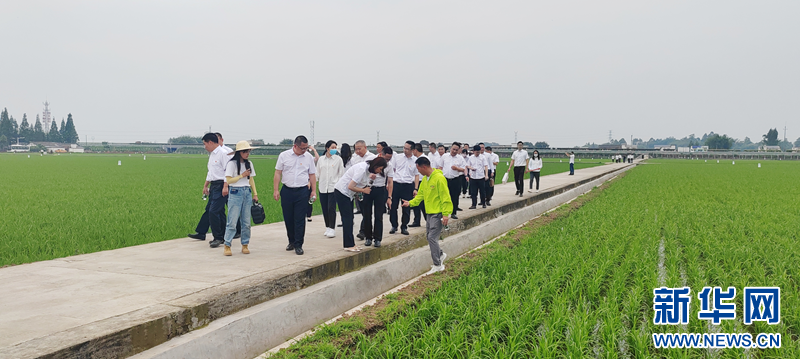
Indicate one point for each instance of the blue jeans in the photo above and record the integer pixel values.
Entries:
(572, 168)
(240, 199)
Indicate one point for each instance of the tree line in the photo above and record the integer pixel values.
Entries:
(713, 140)
(11, 131)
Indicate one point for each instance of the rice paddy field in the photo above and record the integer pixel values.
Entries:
(61, 205)
(581, 284)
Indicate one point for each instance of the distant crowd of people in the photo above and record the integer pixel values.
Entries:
(429, 185)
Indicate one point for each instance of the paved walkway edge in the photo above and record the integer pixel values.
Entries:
(250, 332)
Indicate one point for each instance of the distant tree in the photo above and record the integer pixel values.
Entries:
(797, 142)
(287, 141)
(54, 135)
(541, 144)
(747, 141)
(622, 141)
(717, 142)
(6, 125)
(38, 131)
(68, 132)
(771, 138)
(785, 145)
(524, 144)
(3, 142)
(25, 129)
(186, 140)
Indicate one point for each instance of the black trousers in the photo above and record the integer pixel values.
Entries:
(374, 203)
(214, 216)
(328, 203)
(519, 178)
(490, 185)
(294, 203)
(464, 184)
(475, 187)
(534, 176)
(454, 185)
(346, 212)
(419, 209)
(401, 191)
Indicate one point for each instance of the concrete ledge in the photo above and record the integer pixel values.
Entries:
(253, 331)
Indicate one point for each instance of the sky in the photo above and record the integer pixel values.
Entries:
(564, 72)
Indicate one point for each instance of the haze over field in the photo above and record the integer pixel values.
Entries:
(564, 72)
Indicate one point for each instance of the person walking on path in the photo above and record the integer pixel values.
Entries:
(453, 168)
(477, 177)
(295, 169)
(491, 161)
(406, 182)
(434, 191)
(358, 179)
(214, 215)
(241, 191)
(229, 151)
(376, 202)
(534, 167)
(310, 211)
(571, 155)
(465, 179)
(329, 170)
(519, 161)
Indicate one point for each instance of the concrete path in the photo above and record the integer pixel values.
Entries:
(117, 303)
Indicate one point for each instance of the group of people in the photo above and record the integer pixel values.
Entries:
(428, 185)
(620, 158)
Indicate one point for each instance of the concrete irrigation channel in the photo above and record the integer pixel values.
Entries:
(180, 299)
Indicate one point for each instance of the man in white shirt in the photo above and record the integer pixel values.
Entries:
(360, 154)
(405, 184)
(465, 153)
(453, 168)
(214, 216)
(295, 169)
(519, 161)
(441, 150)
(477, 177)
(571, 155)
(377, 201)
(433, 154)
(419, 211)
(222, 143)
(491, 161)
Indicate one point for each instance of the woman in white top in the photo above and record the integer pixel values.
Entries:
(329, 170)
(240, 188)
(534, 167)
(357, 179)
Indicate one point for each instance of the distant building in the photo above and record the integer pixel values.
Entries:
(609, 147)
(765, 148)
(55, 147)
(665, 147)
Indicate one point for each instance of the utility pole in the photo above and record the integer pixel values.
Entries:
(312, 133)
(609, 136)
(784, 133)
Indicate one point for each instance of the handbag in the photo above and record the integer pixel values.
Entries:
(505, 178)
(257, 213)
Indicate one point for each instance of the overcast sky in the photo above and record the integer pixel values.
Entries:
(558, 71)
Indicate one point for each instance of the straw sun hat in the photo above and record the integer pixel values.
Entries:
(241, 146)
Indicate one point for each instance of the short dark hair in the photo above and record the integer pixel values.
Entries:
(329, 143)
(440, 145)
(520, 143)
(456, 143)
(384, 144)
(422, 161)
(210, 137)
(387, 150)
(464, 150)
(476, 148)
(432, 144)
(218, 134)
(411, 143)
(300, 140)
(418, 147)
(489, 148)
(480, 143)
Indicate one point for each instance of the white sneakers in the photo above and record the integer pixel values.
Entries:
(330, 232)
(530, 191)
(440, 267)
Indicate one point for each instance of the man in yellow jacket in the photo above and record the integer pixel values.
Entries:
(438, 206)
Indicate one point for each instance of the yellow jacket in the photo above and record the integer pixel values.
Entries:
(435, 193)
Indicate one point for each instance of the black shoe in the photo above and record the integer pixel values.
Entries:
(199, 236)
(393, 230)
(488, 203)
(453, 216)
(361, 236)
(414, 225)
(516, 193)
(298, 251)
(308, 219)
(484, 206)
(377, 244)
(404, 231)
(472, 207)
(290, 247)
(357, 212)
(215, 243)
(368, 243)
(520, 194)
(338, 225)
(459, 209)
(238, 235)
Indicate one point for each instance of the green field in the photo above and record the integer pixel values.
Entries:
(582, 285)
(61, 205)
